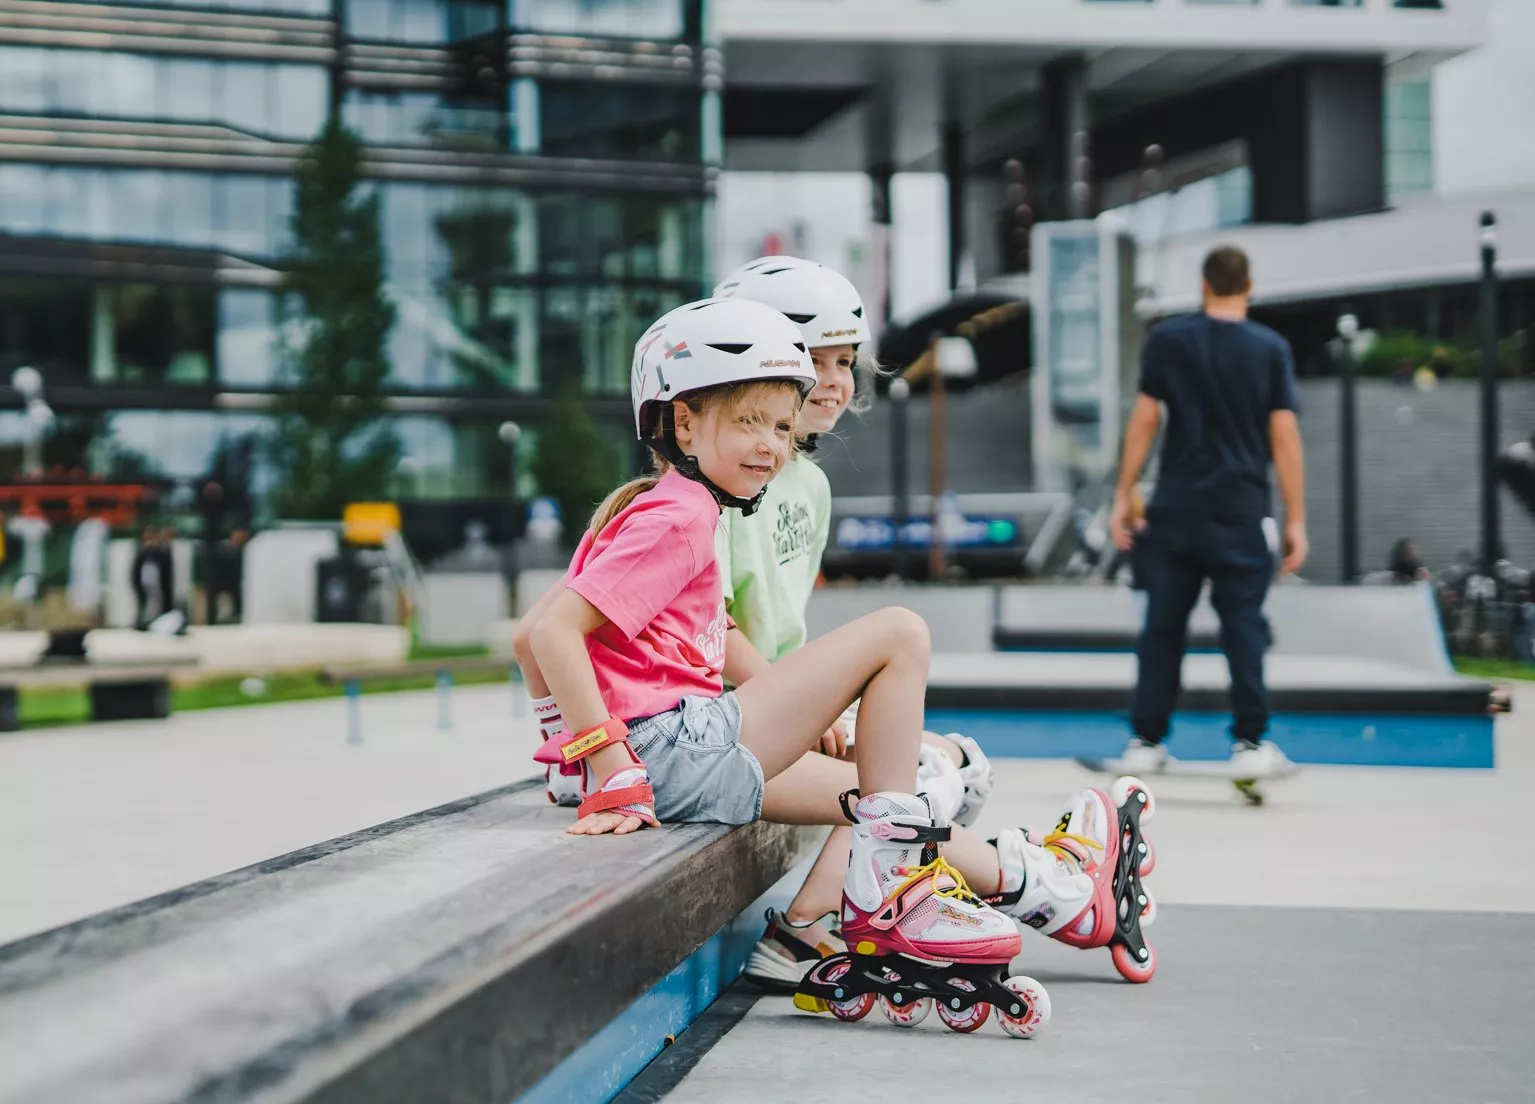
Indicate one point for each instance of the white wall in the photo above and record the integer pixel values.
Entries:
(1483, 134)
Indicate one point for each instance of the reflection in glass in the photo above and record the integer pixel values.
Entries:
(613, 18)
(611, 121)
(247, 341)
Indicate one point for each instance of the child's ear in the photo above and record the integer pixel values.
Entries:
(682, 420)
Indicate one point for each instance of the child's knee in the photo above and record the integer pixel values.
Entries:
(522, 641)
(906, 632)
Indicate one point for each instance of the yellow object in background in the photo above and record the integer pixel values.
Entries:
(366, 523)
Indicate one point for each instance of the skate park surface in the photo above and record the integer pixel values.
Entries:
(1363, 936)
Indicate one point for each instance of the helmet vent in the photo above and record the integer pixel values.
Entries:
(733, 350)
(798, 319)
(775, 271)
(800, 345)
(858, 312)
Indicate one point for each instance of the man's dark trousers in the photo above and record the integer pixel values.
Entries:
(1174, 555)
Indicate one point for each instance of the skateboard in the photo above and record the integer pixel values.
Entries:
(1247, 786)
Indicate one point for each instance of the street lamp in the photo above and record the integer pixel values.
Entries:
(510, 434)
(1489, 243)
(952, 357)
(1348, 330)
(900, 394)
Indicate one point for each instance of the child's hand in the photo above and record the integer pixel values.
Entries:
(600, 824)
(834, 741)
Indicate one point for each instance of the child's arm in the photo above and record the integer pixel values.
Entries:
(522, 645)
(742, 660)
(558, 644)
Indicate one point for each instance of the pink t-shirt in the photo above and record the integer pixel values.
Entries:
(651, 572)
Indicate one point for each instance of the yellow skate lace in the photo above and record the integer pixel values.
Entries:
(960, 890)
(1053, 844)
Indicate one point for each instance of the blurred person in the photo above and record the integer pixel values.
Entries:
(1228, 385)
(229, 577)
(152, 576)
(1404, 563)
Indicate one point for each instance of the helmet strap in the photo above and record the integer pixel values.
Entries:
(666, 448)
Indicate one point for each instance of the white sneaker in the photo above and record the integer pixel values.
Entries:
(562, 789)
(1139, 757)
(1260, 760)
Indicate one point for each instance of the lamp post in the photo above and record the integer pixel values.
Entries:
(510, 434)
(1348, 468)
(1489, 242)
(900, 395)
(951, 356)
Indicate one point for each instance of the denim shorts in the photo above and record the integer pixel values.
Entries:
(698, 768)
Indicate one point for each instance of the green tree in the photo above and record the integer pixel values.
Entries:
(574, 464)
(331, 445)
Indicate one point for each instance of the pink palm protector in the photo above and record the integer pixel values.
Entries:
(627, 791)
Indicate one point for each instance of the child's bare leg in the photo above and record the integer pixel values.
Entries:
(808, 792)
(882, 657)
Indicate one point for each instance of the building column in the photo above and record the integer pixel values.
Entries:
(954, 176)
(883, 218)
(1066, 133)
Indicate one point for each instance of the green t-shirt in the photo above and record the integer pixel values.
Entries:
(769, 562)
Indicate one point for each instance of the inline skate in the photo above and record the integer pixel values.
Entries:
(1082, 884)
(916, 934)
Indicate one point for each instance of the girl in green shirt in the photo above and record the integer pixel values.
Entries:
(769, 564)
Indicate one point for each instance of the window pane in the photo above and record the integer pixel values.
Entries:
(303, 95)
(134, 207)
(605, 121)
(23, 78)
(189, 205)
(244, 96)
(186, 90)
(247, 352)
(24, 208)
(614, 18)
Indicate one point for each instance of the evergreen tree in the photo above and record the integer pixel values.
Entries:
(331, 445)
(574, 464)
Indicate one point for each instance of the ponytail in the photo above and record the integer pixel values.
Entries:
(618, 501)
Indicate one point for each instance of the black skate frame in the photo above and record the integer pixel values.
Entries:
(1128, 889)
(904, 980)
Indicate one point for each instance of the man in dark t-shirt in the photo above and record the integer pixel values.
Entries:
(1228, 385)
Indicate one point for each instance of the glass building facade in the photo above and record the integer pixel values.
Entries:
(543, 167)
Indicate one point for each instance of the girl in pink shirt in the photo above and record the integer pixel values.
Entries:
(632, 647)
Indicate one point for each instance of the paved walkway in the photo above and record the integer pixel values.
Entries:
(1363, 937)
(95, 816)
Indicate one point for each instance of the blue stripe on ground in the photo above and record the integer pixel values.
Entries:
(600, 1068)
(1386, 740)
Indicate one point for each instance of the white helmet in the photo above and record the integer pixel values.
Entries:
(708, 343)
(824, 304)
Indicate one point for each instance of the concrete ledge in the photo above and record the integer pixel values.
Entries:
(1088, 639)
(1297, 684)
(458, 954)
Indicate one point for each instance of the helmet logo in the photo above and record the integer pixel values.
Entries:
(839, 333)
(678, 351)
(791, 363)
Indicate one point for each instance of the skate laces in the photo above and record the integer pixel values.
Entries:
(1056, 843)
(938, 868)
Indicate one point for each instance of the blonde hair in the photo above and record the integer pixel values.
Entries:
(729, 397)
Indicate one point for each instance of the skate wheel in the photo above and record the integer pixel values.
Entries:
(1129, 788)
(1148, 859)
(964, 1021)
(1036, 1008)
(850, 1009)
(1149, 909)
(908, 1015)
(1132, 969)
